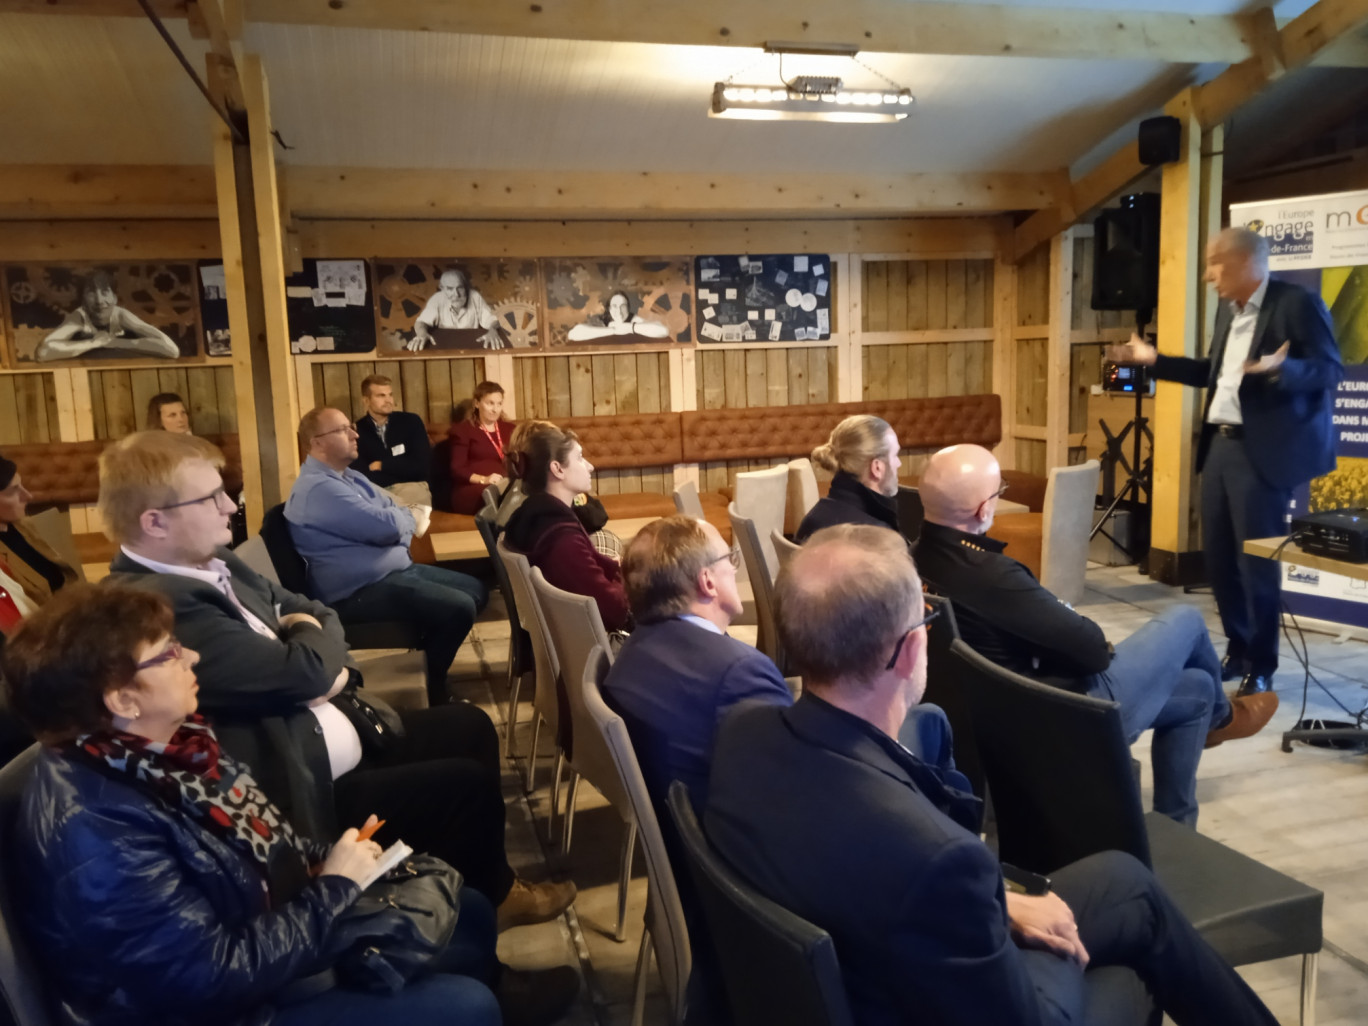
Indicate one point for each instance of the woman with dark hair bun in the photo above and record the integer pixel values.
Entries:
(479, 447)
(166, 412)
(546, 529)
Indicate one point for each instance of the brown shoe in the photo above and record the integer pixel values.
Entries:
(1249, 714)
(534, 903)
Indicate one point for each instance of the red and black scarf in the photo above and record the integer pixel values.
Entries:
(191, 774)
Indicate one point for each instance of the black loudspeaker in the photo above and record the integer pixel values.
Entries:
(1160, 140)
(1126, 255)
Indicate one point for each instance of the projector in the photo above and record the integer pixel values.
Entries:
(1337, 533)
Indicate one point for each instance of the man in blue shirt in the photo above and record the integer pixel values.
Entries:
(355, 539)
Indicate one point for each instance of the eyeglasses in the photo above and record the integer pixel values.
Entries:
(931, 614)
(1002, 490)
(325, 434)
(173, 651)
(214, 496)
(732, 556)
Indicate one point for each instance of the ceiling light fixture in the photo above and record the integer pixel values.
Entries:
(812, 97)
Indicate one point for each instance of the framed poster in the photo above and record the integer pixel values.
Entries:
(214, 309)
(778, 298)
(329, 308)
(90, 312)
(445, 304)
(618, 301)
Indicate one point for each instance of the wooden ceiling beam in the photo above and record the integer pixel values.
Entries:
(1299, 42)
(168, 191)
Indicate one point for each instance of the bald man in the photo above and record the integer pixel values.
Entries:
(1266, 428)
(1166, 675)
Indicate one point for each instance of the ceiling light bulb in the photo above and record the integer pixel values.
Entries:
(828, 97)
(842, 97)
(890, 98)
(746, 95)
(731, 93)
(904, 99)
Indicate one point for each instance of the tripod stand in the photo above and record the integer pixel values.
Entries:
(1139, 470)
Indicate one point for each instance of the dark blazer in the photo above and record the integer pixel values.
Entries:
(848, 502)
(1288, 433)
(835, 821)
(672, 683)
(254, 688)
(406, 429)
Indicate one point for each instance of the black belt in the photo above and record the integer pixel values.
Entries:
(1230, 430)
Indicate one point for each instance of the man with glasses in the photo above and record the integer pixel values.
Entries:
(275, 674)
(355, 539)
(820, 808)
(1165, 676)
(680, 672)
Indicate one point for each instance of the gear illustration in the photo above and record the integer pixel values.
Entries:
(519, 322)
(669, 304)
(22, 292)
(400, 292)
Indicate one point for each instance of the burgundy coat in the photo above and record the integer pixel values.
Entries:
(473, 453)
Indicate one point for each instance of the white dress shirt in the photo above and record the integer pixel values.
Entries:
(1225, 403)
(344, 744)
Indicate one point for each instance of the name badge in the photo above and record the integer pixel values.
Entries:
(398, 450)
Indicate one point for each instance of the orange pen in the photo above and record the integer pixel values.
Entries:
(365, 833)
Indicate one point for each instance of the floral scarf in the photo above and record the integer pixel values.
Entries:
(190, 773)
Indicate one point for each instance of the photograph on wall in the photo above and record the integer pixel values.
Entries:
(776, 298)
(329, 308)
(618, 301)
(214, 309)
(90, 312)
(457, 304)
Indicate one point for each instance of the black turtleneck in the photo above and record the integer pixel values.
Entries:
(848, 502)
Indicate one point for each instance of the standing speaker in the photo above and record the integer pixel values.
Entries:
(1126, 255)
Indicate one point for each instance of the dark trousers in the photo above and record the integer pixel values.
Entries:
(1237, 504)
(439, 793)
(1125, 919)
(442, 603)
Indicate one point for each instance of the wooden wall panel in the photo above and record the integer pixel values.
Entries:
(119, 398)
(1030, 381)
(1030, 456)
(1033, 289)
(919, 295)
(927, 370)
(428, 388)
(738, 379)
(28, 409)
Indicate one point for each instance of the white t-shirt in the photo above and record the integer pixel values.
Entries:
(1225, 403)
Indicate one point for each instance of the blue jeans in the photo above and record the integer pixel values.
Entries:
(457, 993)
(442, 603)
(1167, 676)
(926, 734)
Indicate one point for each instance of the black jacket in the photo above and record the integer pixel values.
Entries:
(253, 688)
(1288, 434)
(403, 429)
(140, 915)
(848, 502)
(1005, 614)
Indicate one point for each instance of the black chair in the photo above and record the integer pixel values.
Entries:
(776, 966)
(26, 1002)
(520, 658)
(292, 571)
(1063, 788)
(943, 688)
(910, 512)
(439, 476)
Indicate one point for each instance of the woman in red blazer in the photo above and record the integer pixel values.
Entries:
(478, 445)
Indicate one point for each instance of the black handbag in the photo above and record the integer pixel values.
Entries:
(398, 927)
(378, 726)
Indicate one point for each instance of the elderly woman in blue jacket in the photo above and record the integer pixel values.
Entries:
(158, 883)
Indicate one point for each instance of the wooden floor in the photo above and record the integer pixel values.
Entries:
(1303, 813)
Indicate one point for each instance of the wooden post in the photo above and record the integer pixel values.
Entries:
(1005, 345)
(850, 347)
(1057, 357)
(1191, 204)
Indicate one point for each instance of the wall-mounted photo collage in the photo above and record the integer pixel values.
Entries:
(177, 310)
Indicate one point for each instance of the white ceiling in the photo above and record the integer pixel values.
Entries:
(83, 90)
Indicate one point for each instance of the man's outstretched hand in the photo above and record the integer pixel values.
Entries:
(1269, 363)
(1136, 351)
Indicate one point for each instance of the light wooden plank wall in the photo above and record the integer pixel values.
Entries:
(1032, 353)
(600, 385)
(914, 295)
(427, 387)
(28, 409)
(119, 398)
(733, 379)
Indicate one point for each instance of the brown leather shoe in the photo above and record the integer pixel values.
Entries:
(1249, 714)
(534, 903)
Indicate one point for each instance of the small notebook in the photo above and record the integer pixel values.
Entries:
(389, 858)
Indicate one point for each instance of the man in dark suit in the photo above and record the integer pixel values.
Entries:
(275, 676)
(393, 448)
(825, 813)
(1266, 428)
